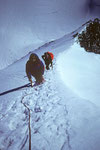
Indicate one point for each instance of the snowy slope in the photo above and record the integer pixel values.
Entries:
(26, 25)
(82, 72)
(60, 118)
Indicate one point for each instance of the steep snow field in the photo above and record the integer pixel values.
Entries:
(80, 71)
(60, 116)
(64, 112)
(26, 25)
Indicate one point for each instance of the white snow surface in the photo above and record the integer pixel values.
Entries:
(80, 71)
(64, 112)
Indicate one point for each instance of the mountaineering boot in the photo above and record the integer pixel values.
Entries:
(39, 81)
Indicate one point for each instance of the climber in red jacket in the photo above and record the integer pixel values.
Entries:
(48, 58)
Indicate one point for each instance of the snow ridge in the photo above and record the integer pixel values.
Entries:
(53, 44)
